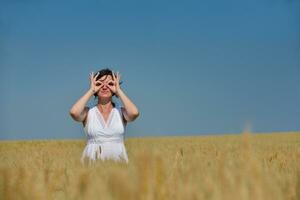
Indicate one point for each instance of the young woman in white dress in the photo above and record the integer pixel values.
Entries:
(104, 123)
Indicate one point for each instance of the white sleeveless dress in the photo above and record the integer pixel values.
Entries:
(104, 140)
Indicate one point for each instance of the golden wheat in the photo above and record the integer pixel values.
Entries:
(244, 166)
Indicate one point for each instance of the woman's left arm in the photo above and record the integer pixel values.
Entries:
(130, 111)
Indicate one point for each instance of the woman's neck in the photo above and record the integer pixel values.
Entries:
(105, 105)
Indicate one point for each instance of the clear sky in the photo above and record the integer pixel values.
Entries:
(191, 67)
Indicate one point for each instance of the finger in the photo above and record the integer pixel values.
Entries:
(110, 87)
(117, 75)
(98, 83)
(113, 75)
(96, 75)
(111, 83)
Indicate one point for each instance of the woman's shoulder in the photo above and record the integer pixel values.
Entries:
(89, 110)
(120, 108)
(90, 114)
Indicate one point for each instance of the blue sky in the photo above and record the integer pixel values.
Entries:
(191, 67)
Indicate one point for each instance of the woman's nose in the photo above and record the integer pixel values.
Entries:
(104, 85)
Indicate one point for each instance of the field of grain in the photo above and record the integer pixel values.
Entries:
(234, 167)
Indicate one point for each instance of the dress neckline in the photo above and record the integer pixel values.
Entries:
(105, 123)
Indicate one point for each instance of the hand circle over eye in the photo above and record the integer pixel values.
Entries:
(113, 84)
(110, 83)
(94, 84)
(98, 83)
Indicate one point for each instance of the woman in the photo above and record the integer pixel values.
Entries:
(104, 123)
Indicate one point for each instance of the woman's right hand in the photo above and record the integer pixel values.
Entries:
(95, 85)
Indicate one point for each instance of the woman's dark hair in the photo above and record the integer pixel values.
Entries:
(102, 73)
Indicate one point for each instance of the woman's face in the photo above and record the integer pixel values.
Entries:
(104, 91)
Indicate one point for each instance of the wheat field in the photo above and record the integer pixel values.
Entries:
(234, 167)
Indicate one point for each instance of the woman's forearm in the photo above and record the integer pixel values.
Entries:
(131, 109)
(78, 108)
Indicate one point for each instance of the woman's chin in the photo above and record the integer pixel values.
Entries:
(105, 95)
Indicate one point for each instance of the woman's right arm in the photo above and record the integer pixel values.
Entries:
(79, 110)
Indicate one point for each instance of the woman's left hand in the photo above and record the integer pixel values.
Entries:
(115, 87)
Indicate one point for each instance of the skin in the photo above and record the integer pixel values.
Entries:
(104, 88)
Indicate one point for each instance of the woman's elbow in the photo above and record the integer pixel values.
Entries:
(135, 115)
(132, 116)
(74, 115)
